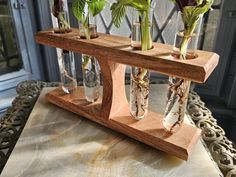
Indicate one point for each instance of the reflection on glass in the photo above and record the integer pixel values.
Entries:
(10, 58)
(210, 30)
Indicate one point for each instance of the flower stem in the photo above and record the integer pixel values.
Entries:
(184, 47)
(188, 33)
(146, 39)
(86, 27)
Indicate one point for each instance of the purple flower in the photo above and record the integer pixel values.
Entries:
(57, 7)
(183, 3)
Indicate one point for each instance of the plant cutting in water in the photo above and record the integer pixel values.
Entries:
(68, 74)
(191, 12)
(143, 6)
(85, 11)
(82, 10)
(59, 11)
(140, 76)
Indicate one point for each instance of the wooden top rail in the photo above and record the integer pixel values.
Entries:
(117, 49)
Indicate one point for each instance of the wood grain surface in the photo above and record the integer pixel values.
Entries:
(117, 49)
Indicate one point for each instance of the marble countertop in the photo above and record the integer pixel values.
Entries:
(58, 143)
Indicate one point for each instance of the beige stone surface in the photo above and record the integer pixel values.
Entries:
(57, 143)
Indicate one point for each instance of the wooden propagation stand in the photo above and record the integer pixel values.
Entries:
(113, 53)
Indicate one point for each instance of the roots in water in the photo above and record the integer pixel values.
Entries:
(67, 68)
(176, 104)
(139, 94)
(70, 83)
(91, 78)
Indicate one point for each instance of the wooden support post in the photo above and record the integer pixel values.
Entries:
(114, 97)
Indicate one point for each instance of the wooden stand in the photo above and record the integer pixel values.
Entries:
(112, 53)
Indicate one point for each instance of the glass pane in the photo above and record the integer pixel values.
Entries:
(210, 25)
(10, 58)
(211, 30)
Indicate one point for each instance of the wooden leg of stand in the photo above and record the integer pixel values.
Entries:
(114, 97)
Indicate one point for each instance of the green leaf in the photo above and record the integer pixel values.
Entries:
(119, 9)
(78, 8)
(96, 6)
(191, 14)
(118, 13)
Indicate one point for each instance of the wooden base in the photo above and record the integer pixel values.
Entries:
(148, 131)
